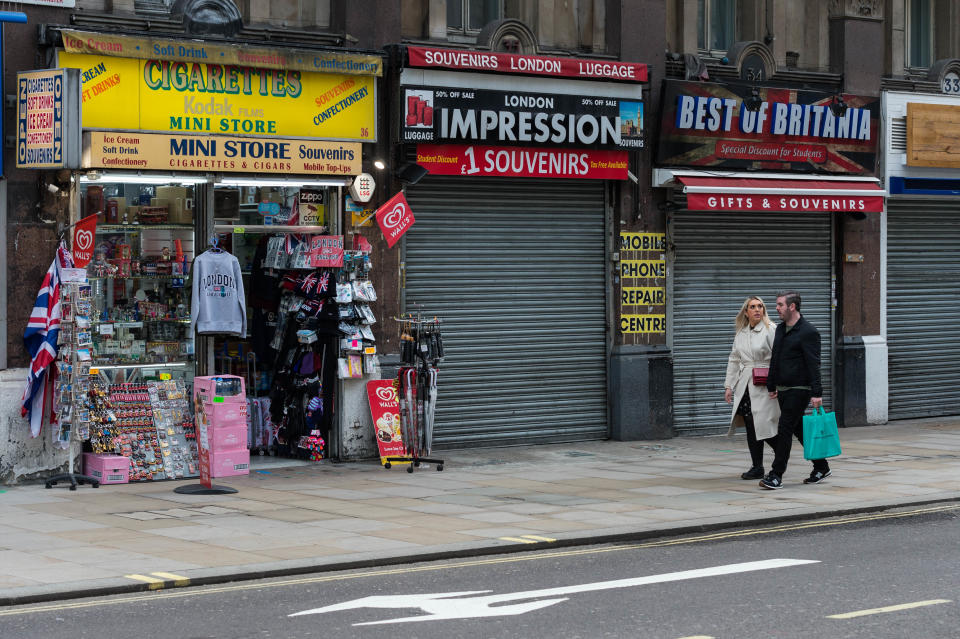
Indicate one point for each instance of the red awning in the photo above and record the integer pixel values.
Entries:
(775, 194)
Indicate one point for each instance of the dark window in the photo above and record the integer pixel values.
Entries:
(471, 15)
(919, 33)
(716, 25)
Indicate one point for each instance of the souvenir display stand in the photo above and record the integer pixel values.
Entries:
(73, 373)
(421, 350)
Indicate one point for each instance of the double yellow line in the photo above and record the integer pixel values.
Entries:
(406, 570)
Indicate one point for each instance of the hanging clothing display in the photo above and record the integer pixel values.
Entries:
(219, 305)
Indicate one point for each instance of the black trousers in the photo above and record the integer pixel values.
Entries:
(793, 403)
(754, 445)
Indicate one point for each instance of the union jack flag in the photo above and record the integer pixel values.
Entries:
(40, 338)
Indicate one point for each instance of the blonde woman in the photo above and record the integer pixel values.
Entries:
(752, 406)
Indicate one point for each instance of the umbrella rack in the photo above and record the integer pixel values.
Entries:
(421, 350)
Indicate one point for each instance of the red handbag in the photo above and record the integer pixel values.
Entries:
(760, 376)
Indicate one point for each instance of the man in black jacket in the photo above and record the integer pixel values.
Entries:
(794, 381)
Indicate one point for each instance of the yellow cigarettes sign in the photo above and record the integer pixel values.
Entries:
(144, 151)
(223, 99)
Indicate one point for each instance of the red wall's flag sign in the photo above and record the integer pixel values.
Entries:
(84, 233)
(394, 218)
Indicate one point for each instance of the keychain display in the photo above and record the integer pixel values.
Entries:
(149, 423)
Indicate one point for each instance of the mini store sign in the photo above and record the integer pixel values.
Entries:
(205, 97)
(143, 151)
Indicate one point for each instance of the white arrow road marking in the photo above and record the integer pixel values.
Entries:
(460, 605)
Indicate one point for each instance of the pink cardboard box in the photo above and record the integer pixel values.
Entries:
(107, 469)
(230, 437)
(224, 414)
(227, 463)
(206, 388)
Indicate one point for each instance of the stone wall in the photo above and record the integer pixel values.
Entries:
(24, 458)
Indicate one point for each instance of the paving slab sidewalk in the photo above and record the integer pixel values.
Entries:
(58, 543)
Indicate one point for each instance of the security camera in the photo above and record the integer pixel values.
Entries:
(53, 188)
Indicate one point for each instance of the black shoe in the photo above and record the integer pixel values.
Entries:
(771, 482)
(817, 476)
(755, 472)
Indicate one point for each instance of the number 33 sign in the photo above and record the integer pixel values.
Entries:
(951, 83)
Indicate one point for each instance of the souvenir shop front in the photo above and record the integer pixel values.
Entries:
(757, 178)
(511, 242)
(923, 238)
(217, 252)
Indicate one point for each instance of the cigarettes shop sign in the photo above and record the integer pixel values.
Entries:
(139, 151)
(174, 96)
(518, 161)
(744, 127)
(48, 118)
(492, 62)
(480, 116)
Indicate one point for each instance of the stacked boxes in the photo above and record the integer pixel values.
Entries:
(222, 403)
(107, 469)
(179, 203)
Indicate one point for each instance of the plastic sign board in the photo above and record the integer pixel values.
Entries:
(223, 99)
(147, 48)
(492, 62)
(458, 159)
(132, 151)
(709, 126)
(394, 218)
(445, 115)
(363, 187)
(385, 411)
(48, 119)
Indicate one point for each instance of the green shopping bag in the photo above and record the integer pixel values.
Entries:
(820, 436)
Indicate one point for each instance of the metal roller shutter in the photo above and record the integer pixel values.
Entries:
(720, 258)
(516, 270)
(923, 277)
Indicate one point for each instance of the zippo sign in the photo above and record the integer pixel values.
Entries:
(479, 116)
(709, 125)
(394, 218)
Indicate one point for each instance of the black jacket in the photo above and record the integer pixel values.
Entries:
(795, 360)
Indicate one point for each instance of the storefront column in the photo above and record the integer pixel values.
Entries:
(641, 392)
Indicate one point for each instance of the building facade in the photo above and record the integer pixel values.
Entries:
(588, 286)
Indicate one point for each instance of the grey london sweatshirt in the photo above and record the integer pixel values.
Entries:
(219, 305)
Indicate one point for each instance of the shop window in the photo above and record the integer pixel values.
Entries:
(469, 16)
(716, 26)
(919, 33)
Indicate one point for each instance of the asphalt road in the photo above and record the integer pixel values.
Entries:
(884, 575)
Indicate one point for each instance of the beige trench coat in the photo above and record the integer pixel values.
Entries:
(752, 347)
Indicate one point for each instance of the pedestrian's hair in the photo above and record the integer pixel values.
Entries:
(742, 319)
(790, 297)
